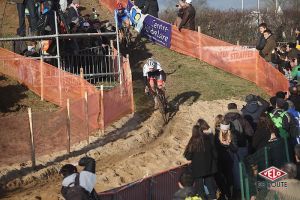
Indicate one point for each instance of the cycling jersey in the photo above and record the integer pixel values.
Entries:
(122, 17)
(151, 74)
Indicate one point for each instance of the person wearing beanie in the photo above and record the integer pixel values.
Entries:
(295, 97)
(255, 106)
(79, 185)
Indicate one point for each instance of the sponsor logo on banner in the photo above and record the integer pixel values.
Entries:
(157, 31)
(272, 174)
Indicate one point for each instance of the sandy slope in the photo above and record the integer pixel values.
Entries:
(148, 149)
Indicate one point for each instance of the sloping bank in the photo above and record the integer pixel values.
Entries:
(242, 62)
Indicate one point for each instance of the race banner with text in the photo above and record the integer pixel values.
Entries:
(154, 29)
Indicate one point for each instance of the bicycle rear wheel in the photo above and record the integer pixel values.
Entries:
(162, 105)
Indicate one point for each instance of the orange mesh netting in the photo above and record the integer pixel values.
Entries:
(242, 62)
(51, 129)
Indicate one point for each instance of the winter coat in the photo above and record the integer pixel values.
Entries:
(188, 19)
(241, 133)
(151, 8)
(204, 163)
(261, 42)
(296, 100)
(269, 47)
(252, 110)
(185, 192)
(261, 137)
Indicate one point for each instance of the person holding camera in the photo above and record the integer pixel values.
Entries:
(79, 185)
(188, 15)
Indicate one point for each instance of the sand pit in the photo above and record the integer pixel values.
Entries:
(147, 149)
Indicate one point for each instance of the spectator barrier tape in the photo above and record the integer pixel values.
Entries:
(242, 62)
(50, 129)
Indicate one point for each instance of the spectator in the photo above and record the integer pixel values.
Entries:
(225, 150)
(281, 94)
(294, 97)
(254, 108)
(281, 119)
(269, 46)
(295, 68)
(297, 158)
(261, 42)
(186, 183)
(180, 13)
(140, 3)
(295, 118)
(242, 133)
(297, 33)
(151, 8)
(266, 132)
(273, 104)
(71, 13)
(21, 6)
(201, 151)
(79, 186)
(188, 17)
(292, 51)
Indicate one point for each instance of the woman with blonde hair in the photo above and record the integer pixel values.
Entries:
(225, 149)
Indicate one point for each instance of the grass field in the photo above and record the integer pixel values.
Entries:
(187, 78)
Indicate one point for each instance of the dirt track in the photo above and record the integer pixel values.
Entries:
(143, 149)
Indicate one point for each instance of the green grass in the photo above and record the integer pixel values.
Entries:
(188, 77)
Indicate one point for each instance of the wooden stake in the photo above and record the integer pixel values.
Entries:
(81, 72)
(31, 138)
(102, 109)
(199, 29)
(68, 126)
(42, 78)
(87, 116)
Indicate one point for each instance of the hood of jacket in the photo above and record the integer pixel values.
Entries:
(233, 114)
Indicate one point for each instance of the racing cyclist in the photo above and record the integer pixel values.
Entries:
(153, 75)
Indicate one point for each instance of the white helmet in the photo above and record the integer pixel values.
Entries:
(151, 63)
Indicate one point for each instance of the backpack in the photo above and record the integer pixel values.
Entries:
(278, 122)
(238, 133)
(295, 126)
(75, 192)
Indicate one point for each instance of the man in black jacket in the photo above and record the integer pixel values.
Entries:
(253, 109)
(261, 42)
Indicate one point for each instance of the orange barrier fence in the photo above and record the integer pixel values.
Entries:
(88, 109)
(242, 62)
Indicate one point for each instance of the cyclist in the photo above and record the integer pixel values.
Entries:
(122, 17)
(154, 75)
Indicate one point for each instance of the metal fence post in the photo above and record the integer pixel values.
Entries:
(58, 57)
(266, 157)
(241, 180)
(118, 53)
(286, 150)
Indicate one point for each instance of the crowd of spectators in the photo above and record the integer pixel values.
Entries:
(215, 154)
(284, 57)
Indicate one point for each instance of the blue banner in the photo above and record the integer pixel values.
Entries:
(157, 31)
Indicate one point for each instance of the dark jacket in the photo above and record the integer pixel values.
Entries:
(188, 19)
(268, 48)
(204, 163)
(261, 42)
(296, 100)
(185, 192)
(252, 110)
(242, 133)
(151, 8)
(298, 171)
(261, 137)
